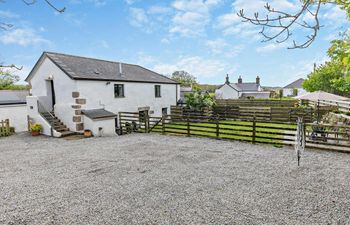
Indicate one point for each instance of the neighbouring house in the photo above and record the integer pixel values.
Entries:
(241, 90)
(294, 89)
(74, 93)
(13, 107)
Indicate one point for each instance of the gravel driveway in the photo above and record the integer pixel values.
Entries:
(154, 179)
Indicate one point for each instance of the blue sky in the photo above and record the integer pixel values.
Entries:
(203, 37)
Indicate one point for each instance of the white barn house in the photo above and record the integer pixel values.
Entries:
(79, 93)
(241, 89)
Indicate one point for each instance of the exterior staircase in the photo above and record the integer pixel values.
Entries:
(57, 124)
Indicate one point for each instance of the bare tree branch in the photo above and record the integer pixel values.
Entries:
(278, 25)
(12, 66)
(7, 26)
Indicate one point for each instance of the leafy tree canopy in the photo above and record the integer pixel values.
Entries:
(184, 78)
(340, 51)
(7, 79)
(328, 77)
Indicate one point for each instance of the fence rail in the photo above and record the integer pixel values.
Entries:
(5, 129)
(341, 105)
(277, 133)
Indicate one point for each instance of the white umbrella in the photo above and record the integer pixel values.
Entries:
(321, 95)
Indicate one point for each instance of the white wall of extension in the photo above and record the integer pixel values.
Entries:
(17, 114)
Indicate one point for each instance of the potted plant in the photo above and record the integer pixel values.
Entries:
(35, 128)
(87, 133)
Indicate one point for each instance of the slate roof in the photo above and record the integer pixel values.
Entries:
(98, 114)
(83, 68)
(248, 86)
(296, 84)
(9, 97)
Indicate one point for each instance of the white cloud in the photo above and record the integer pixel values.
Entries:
(195, 65)
(159, 10)
(272, 47)
(8, 14)
(217, 45)
(335, 16)
(23, 37)
(97, 3)
(139, 17)
(165, 41)
(192, 16)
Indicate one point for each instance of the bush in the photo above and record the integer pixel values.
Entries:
(198, 100)
(35, 127)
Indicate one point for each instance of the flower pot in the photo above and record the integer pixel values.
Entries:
(87, 133)
(35, 133)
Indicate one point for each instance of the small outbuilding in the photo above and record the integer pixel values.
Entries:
(100, 122)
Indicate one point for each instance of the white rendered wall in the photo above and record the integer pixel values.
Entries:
(107, 125)
(289, 92)
(228, 92)
(35, 117)
(99, 94)
(63, 85)
(17, 114)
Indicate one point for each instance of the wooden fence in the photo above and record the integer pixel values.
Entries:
(277, 133)
(257, 103)
(276, 114)
(5, 129)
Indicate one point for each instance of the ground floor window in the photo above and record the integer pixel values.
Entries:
(165, 111)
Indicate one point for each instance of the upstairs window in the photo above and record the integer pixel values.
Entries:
(119, 90)
(157, 91)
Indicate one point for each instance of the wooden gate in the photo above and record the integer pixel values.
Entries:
(5, 129)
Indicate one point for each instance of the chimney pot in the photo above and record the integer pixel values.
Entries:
(257, 80)
(240, 80)
(227, 79)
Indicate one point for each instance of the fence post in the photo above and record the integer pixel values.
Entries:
(7, 124)
(254, 130)
(120, 123)
(2, 128)
(163, 124)
(217, 128)
(188, 126)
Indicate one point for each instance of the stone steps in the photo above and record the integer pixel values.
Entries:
(57, 124)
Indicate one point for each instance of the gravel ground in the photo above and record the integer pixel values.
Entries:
(154, 179)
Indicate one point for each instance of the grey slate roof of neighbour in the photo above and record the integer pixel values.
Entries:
(98, 113)
(245, 86)
(296, 84)
(84, 68)
(9, 97)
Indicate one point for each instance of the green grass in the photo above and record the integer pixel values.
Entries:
(235, 130)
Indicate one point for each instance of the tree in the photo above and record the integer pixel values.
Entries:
(7, 79)
(329, 78)
(198, 100)
(278, 25)
(6, 26)
(185, 79)
(340, 51)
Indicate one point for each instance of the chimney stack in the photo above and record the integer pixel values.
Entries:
(258, 80)
(240, 80)
(121, 69)
(227, 79)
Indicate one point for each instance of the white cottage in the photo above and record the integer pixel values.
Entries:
(241, 89)
(79, 93)
(294, 89)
